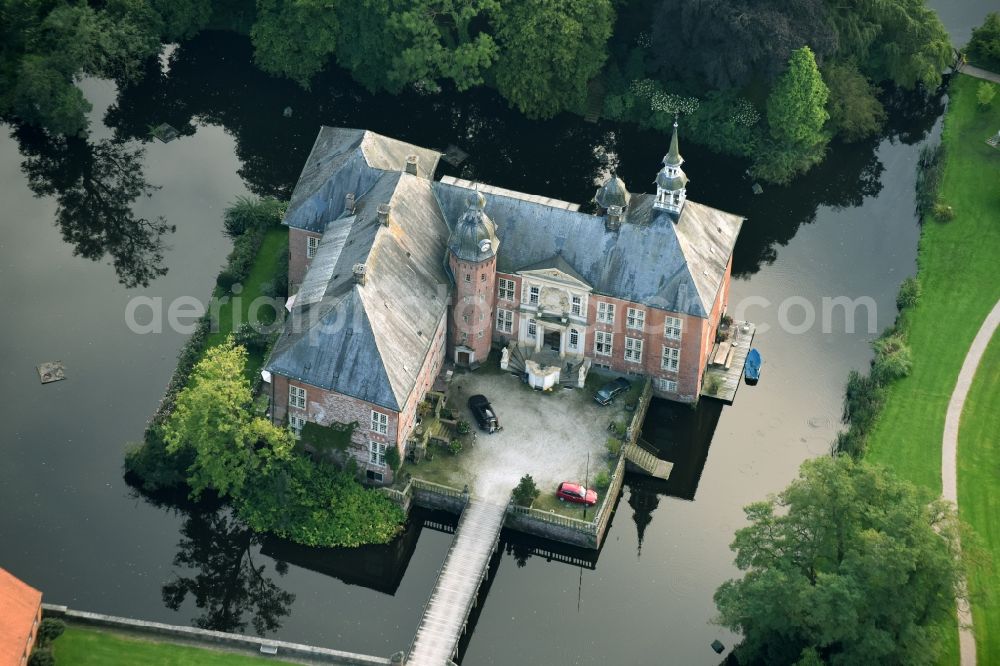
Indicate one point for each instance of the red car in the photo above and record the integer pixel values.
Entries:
(574, 492)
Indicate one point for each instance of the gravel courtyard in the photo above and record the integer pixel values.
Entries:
(547, 435)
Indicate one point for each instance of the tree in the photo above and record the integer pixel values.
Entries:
(855, 112)
(726, 43)
(526, 491)
(847, 565)
(182, 19)
(549, 50)
(796, 114)
(212, 418)
(294, 38)
(902, 41)
(984, 47)
(985, 93)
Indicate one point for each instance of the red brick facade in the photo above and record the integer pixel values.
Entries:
(471, 323)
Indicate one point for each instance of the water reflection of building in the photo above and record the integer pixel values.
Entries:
(683, 436)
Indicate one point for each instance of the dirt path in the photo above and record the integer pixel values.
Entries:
(949, 455)
(980, 73)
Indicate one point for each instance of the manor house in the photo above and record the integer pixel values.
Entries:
(393, 273)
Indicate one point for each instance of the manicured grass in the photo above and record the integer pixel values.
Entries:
(958, 272)
(88, 647)
(265, 267)
(979, 496)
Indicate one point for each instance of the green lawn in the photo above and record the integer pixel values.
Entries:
(265, 267)
(89, 647)
(958, 271)
(979, 495)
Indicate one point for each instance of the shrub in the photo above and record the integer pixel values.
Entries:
(226, 280)
(851, 442)
(713, 385)
(248, 212)
(526, 491)
(985, 94)
(41, 657)
(863, 401)
(909, 293)
(463, 427)
(614, 446)
(930, 166)
(984, 47)
(943, 212)
(49, 630)
(602, 480)
(892, 359)
(248, 336)
(455, 447)
(392, 458)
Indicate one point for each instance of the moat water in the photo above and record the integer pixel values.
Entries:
(71, 525)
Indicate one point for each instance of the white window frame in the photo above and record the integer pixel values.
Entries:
(506, 289)
(571, 343)
(633, 350)
(505, 320)
(376, 453)
(576, 305)
(668, 385)
(532, 328)
(295, 423)
(635, 318)
(312, 245)
(671, 359)
(297, 397)
(606, 312)
(468, 277)
(534, 294)
(380, 422)
(604, 343)
(673, 328)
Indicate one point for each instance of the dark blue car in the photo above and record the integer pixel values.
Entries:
(607, 393)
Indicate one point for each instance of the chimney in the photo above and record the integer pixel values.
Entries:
(359, 274)
(613, 218)
(383, 214)
(411, 164)
(349, 203)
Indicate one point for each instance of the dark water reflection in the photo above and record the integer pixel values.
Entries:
(73, 527)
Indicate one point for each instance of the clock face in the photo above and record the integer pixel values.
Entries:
(484, 245)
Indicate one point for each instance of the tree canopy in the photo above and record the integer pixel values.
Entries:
(549, 51)
(294, 39)
(847, 565)
(984, 47)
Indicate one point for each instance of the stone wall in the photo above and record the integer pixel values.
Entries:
(205, 638)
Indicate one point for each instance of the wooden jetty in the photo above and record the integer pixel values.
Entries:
(724, 373)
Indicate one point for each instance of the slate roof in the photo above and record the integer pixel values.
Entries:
(652, 260)
(344, 160)
(370, 341)
(471, 229)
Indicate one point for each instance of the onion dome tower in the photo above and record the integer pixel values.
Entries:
(472, 259)
(612, 197)
(671, 182)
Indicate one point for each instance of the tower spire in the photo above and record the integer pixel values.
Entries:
(671, 181)
(673, 156)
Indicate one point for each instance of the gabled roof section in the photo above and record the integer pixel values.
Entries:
(553, 267)
(369, 341)
(343, 161)
(18, 607)
(676, 267)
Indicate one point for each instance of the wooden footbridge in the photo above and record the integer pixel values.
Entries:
(454, 596)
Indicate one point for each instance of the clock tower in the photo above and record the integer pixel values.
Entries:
(472, 261)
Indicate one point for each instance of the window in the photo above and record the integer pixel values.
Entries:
(506, 289)
(482, 316)
(672, 328)
(606, 313)
(633, 350)
(577, 306)
(635, 318)
(532, 328)
(574, 338)
(296, 397)
(668, 385)
(505, 321)
(374, 476)
(465, 318)
(312, 243)
(380, 422)
(295, 423)
(533, 295)
(479, 335)
(482, 277)
(376, 453)
(671, 359)
(603, 342)
(468, 277)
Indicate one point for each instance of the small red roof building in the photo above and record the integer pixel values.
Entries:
(20, 613)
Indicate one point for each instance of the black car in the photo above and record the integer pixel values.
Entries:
(483, 411)
(607, 393)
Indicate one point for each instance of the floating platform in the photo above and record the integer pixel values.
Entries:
(724, 373)
(51, 371)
